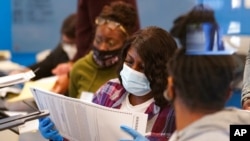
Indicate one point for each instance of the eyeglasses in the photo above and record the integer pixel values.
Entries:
(111, 24)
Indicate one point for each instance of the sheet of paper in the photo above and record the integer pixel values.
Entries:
(30, 126)
(16, 78)
(79, 120)
(13, 90)
(45, 83)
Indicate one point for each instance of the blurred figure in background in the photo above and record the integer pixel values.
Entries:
(64, 52)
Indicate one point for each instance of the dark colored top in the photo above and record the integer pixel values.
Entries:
(87, 11)
(56, 57)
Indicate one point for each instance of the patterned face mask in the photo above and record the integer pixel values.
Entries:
(106, 58)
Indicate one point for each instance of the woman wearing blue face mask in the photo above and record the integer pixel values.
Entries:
(140, 86)
(141, 81)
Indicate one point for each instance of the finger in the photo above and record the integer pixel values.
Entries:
(45, 121)
(54, 71)
(56, 89)
(41, 119)
(130, 131)
(51, 134)
(49, 126)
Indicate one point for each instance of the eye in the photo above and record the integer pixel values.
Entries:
(129, 62)
(111, 43)
(141, 68)
(97, 40)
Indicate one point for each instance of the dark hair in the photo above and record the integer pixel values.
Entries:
(202, 81)
(121, 12)
(155, 46)
(198, 14)
(69, 26)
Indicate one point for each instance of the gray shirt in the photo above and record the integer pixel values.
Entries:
(213, 127)
(246, 79)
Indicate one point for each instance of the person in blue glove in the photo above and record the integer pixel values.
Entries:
(142, 81)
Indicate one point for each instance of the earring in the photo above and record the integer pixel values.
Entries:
(165, 94)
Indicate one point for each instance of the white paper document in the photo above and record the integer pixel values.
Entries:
(79, 120)
(16, 78)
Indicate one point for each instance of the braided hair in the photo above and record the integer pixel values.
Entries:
(202, 81)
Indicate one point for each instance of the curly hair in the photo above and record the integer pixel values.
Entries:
(202, 81)
(155, 46)
(121, 12)
(199, 14)
(69, 26)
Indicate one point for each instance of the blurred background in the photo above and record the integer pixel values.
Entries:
(30, 26)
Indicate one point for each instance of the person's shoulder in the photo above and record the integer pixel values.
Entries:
(109, 92)
(113, 83)
(113, 86)
(209, 135)
(114, 80)
(84, 61)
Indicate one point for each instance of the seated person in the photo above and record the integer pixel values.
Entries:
(199, 84)
(113, 26)
(140, 85)
(64, 51)
(87, 12)
(203, 99)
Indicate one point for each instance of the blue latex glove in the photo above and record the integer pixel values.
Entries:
(136, 135)
(46, 128)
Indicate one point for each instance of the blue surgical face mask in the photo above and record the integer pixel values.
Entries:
(134, 82)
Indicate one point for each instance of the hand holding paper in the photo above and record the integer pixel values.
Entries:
(136, 135)
(47, 130)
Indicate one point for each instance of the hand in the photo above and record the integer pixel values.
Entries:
(46, 128)
(63, 68)
(137, 136)
(61, 85)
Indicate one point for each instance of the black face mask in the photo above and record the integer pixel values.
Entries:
(105, 58)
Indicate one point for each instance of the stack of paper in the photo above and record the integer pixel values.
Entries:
(16, 78)
(6, 82)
